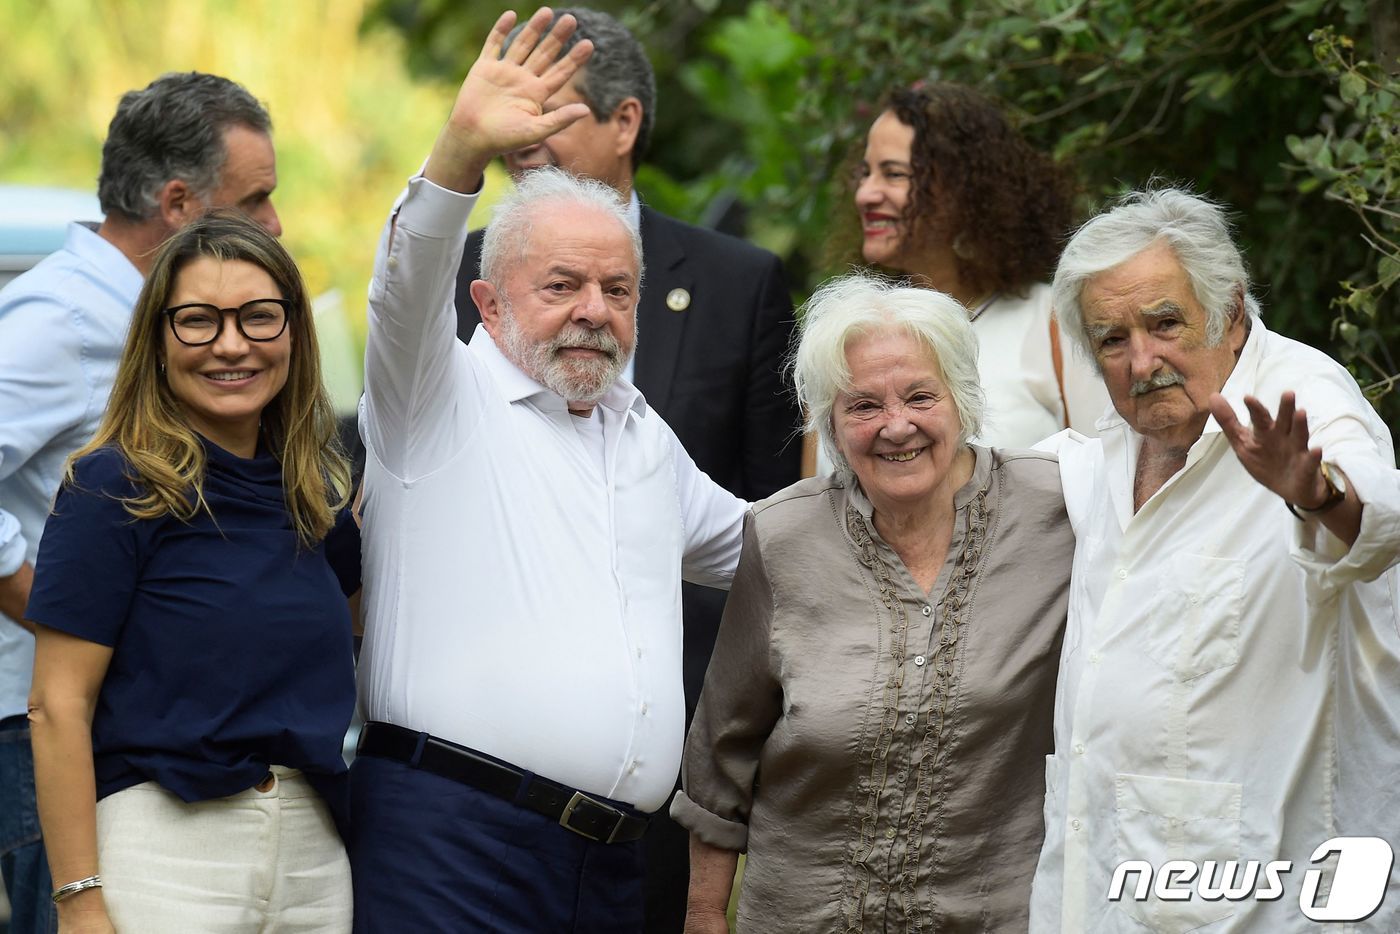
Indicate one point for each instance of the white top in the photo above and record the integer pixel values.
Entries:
(1230, 677)
(1018, 374)
(518, 601)
(62, 327)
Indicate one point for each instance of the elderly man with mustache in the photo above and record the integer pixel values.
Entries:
(528, 521)
(1229, 688)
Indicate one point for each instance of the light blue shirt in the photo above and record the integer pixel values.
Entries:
(62, 327)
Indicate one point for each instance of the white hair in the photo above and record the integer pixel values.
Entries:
(861, 304)
(503, 244)
(1195, 228)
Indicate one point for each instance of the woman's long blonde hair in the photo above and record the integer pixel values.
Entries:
(147, 423)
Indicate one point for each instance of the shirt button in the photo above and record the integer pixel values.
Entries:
(1075, 824)
(632, 769)
(927, 610)
(889, 833)
(919, 660)
(644, 709)
(639, 651)
(910, 718)
(901, 776)
(1079, 749)
(1122, 574)
(393, 262)
(1094, 657)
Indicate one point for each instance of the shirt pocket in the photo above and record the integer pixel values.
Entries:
(1161, 819)
(1198, 603)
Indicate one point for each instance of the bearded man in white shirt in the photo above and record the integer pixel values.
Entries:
(526, 713)
(1230, 680)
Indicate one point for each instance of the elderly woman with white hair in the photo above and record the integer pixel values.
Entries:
(875, 720)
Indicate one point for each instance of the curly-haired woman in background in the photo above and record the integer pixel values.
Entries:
(950, 195)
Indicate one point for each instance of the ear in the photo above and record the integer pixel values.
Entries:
(628, 118)
(488, 302)
(177, 204)
(1238, 330)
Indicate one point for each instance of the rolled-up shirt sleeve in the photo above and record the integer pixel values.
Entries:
(741, 701)
(1354, 439)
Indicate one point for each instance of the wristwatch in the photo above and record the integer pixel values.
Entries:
(1336, 492)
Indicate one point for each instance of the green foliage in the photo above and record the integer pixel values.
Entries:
(1355, 161)
(762, 102)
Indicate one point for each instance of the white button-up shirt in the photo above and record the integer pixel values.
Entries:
(1230, 679)
(518, 600)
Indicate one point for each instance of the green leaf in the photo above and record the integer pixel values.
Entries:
(1093, 76)
(1352, 86)
(1304, 150)
(1350, 152)
(1388, 271)
(1349, 332)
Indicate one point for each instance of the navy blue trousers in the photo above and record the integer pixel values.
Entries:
(431, 855)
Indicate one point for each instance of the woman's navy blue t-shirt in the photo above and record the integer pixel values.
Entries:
(231, 644)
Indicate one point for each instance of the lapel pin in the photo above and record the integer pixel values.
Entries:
(678, 300)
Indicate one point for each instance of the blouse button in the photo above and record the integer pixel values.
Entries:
(1075, 824)
(889, 833)
(919, 660)
(927, 610)
(910, 718)
(901, 776)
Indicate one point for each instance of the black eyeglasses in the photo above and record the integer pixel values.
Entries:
(262, 319)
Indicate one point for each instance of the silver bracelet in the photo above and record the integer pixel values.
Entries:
(73, 888)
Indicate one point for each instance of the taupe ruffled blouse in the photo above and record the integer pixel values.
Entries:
(878, 751)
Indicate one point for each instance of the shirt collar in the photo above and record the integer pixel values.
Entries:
(84, 241)
(634, 210)
(516, 385)
(1243, 377)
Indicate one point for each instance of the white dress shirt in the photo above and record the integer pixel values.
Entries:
(518, 601)
(1230, 677)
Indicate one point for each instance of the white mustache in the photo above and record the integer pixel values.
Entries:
(575, 336)
(1158, 381)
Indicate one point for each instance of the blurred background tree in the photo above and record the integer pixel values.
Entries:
(761, 103)
(349, 123)
(1284, 109)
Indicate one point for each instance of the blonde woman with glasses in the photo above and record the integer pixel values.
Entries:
(193, 676)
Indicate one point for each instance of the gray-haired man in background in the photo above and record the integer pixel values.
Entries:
(175, 149)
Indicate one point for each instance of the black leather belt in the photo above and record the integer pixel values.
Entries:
(574, 810)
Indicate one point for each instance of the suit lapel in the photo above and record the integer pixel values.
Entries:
(660, 329)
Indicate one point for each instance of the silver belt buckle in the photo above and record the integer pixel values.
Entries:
(578, 798)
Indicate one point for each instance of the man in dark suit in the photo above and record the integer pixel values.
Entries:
(714, 321)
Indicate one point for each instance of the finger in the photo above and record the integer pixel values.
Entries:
(1225, 417)
(492, 49)
(1258, 415)
(562, 70)
(526, 39)
(1286, 405)
(557, 119)
(545, 54)
(1300, 430)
